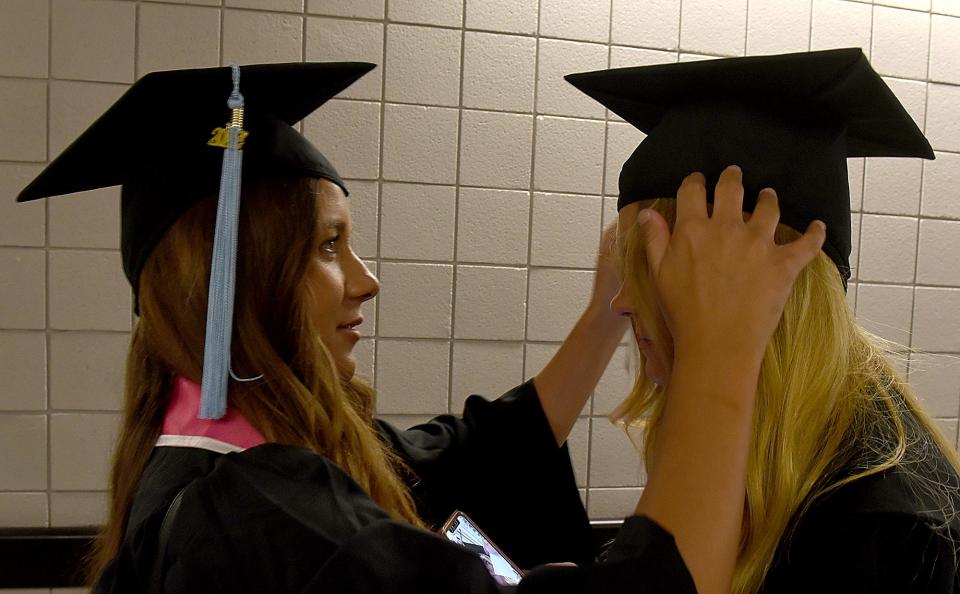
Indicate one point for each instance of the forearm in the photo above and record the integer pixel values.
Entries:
(697, 476)
(565, 383)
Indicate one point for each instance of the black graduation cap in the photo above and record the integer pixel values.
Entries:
(176, 137)
(154, 142)
(789, 121)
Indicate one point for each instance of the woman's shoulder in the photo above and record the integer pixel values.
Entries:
(245, 517)
(881, 533)
(268, 487)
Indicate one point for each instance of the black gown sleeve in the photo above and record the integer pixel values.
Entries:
(500, 464)
(282, 519)
(881, 553)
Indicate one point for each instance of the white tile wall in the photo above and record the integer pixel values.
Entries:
(171, 37)
(558, 57)
(775, 27)
(487, 368)
(350, 133)
(945, 49)
(23, 367)
(713, 26)
(25, 38)
(423, 65)
(20, 224)
(882, 253)
(508, 16)
(565, 229)
(559, 170)
(943, 125)
(369, 9)
(413, 377)
(448, 13)
(913, 95)
(892, 186)
(250, 37)
(900, 42)
(940, 177)
(417, 221)
(946, 7)
(420, 143)
(491, 303)
(935, 378)
(93, 40)
(480, 182)
(654, 24)
(499, 71)
(23, 132)
(839, 23)
(493, 226)
(885, 311)
(937, 256)
(415, 300)
(495, 149)
(87, 220)
(364, 210)
(353, 41)
(588, 20)
(74, 106)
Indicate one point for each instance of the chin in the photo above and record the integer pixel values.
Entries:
(346, 368)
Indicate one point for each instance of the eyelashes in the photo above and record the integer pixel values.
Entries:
(330, 246)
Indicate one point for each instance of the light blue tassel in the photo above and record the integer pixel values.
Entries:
(223, 269)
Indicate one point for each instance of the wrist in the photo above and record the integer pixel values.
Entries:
(598, 312)
(717, 379)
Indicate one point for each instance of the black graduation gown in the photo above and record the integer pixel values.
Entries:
(277, 518)
(880, 534)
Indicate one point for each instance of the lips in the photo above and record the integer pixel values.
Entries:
(352, 325)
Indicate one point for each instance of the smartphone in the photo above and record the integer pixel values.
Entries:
(462, 530)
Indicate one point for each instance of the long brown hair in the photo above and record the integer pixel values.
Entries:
(300, 401)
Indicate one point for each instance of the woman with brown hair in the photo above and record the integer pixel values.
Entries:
(285, 482)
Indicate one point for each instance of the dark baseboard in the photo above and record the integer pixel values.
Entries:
(53, 557)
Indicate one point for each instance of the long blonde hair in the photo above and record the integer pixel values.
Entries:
(830, 407)
(301, 399)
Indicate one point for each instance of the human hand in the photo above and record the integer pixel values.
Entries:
(722, 282)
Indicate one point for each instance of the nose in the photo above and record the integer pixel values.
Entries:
(620, 304)
(361, 284)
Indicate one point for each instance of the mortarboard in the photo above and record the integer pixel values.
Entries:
(176, 137)
(789, 121)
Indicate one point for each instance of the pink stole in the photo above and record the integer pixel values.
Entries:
(182, 428)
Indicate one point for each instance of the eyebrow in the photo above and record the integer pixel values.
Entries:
(337, 225)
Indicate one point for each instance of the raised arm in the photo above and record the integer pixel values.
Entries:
(565, 383)
(721, 284)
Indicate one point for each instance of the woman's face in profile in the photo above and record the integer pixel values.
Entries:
(657, 364)
(339, 281)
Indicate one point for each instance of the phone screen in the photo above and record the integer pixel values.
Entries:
(460, 529)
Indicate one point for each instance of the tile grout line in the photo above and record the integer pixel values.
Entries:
(46, 292)
(863, 183)
(916, 251)
(456, 213)
(380, 181)
(603, 198)
(531, 188)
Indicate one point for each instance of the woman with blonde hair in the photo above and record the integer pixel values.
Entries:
(249, 459)
(850, 486)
